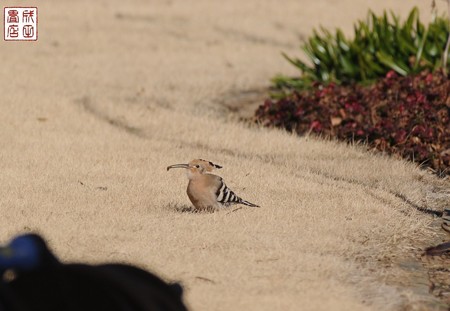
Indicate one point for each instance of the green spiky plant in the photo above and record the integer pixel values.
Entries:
(380, 44)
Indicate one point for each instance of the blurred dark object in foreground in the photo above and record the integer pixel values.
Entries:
(33, 279)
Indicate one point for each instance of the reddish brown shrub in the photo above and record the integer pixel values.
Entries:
(407, 116)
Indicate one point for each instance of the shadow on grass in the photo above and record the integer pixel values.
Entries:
(183, 208)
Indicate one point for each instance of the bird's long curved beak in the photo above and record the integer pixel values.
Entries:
(178, 166)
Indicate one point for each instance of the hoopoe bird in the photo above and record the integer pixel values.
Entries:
(208, 191)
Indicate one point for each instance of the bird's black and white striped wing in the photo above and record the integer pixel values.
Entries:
(227, 197)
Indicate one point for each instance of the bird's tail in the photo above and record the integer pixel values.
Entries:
(241, 201)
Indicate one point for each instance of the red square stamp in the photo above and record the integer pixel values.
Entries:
(20, 23)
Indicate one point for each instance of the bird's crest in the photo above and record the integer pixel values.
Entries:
(212, 164)
(207, 165)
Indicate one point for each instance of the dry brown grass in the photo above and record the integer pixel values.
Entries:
(93, 115)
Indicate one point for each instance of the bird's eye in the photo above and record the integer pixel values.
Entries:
(197, 166)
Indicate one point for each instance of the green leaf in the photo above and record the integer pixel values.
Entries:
(420, 50)
(341, 41)
(389, 61)
(412, 17)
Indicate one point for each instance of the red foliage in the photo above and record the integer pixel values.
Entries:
(408, 116)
